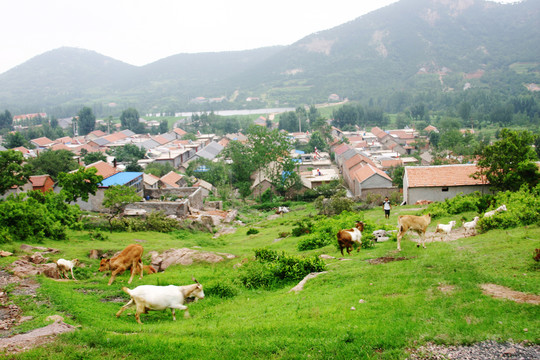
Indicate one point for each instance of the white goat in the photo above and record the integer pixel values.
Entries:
(152, 297)
(64, 266)
(493, 212)
(445, 228)
(471, 225)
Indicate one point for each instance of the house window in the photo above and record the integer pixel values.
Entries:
(445, 188)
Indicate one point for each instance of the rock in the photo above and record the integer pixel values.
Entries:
(509, 351)
(94, 254)
(353, 308)
(327, 257)
(54, 318)
(50, 270)
(300, 285)
(5, 253)
(37, 258)
(185, 256)
(231, 215)
(30, 248)
(361, 301)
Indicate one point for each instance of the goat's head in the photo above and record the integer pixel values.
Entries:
(104, 265)
(360, 225)
(198, 290)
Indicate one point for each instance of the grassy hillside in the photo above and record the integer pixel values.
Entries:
(431, 295)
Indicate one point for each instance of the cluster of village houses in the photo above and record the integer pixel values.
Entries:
(362, 161)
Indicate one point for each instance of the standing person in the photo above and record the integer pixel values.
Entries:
(386, 207)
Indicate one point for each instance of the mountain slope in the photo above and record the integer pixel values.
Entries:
(412, 45)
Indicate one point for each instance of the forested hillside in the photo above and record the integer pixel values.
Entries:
(413, 50)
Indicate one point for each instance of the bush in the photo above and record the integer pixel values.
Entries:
(272, 269)
(155, 221)
(221, 289)
(457, 205)
(252, 231)
(35, 216)
(97, 235)
(335, 205)
(304, 226)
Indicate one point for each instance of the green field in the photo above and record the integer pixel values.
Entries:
(431, 295)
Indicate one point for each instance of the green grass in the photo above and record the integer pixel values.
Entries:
(403, 305)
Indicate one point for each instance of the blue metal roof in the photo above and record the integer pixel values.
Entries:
(121, 178)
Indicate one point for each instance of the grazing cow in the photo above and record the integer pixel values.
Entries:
(129, 258)
(346, 238)
(417, 224)
(64, 266)
(471, 225)
(153, 297)
(493, 212)
(445, 228)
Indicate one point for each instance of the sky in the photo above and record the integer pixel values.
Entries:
(139, 32)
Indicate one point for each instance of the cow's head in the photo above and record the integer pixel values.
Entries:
(104, 265)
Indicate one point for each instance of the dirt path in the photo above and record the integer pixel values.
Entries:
(11, 315)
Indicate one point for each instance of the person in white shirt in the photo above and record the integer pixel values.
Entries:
(386, 207)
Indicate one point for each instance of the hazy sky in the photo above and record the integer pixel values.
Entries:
(141, 31)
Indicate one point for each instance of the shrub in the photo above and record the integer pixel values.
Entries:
(252, 231)
(272, 269)
(97, 235)
(334, 205)
(221, 289)
(155, 221)
(304, 226)
(34, 216)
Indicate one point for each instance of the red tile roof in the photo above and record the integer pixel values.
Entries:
(365, 171)
(171, 179)
(39, 180)
(391, 163)
(179, 131)
(341, 149)
(42, 141)
(443, 175)
(103, 168)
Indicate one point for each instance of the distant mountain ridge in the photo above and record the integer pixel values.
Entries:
(411, 45)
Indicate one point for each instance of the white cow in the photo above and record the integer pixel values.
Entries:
(152, 297)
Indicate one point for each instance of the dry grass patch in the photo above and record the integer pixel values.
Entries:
(502, 292)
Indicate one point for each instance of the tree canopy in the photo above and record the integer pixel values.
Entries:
(53, 162)
(12, 170)
(86, 121)
(509, 162)
(79, 184)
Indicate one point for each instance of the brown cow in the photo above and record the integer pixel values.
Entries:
(417, 224)
(346, 238)
(129, 258)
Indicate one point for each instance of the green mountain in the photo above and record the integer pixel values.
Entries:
(412, 46)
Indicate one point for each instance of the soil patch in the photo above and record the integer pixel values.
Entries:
(386, 259)
(33, 338)
(502, 292)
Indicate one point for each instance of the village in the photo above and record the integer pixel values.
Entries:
(361, 159)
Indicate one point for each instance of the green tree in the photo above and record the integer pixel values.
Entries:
(86, 121)
(92, 157)
(163, 126)
(79, 184)
(396, 173)
(317, 141)
(12, 170)
(158, 169)
(129, 119)
(13, 140)
(128, 153)
(116, 198)
(509, 162)
(6, 120)
(53, 162)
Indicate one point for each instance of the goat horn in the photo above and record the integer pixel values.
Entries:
(193, 278)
